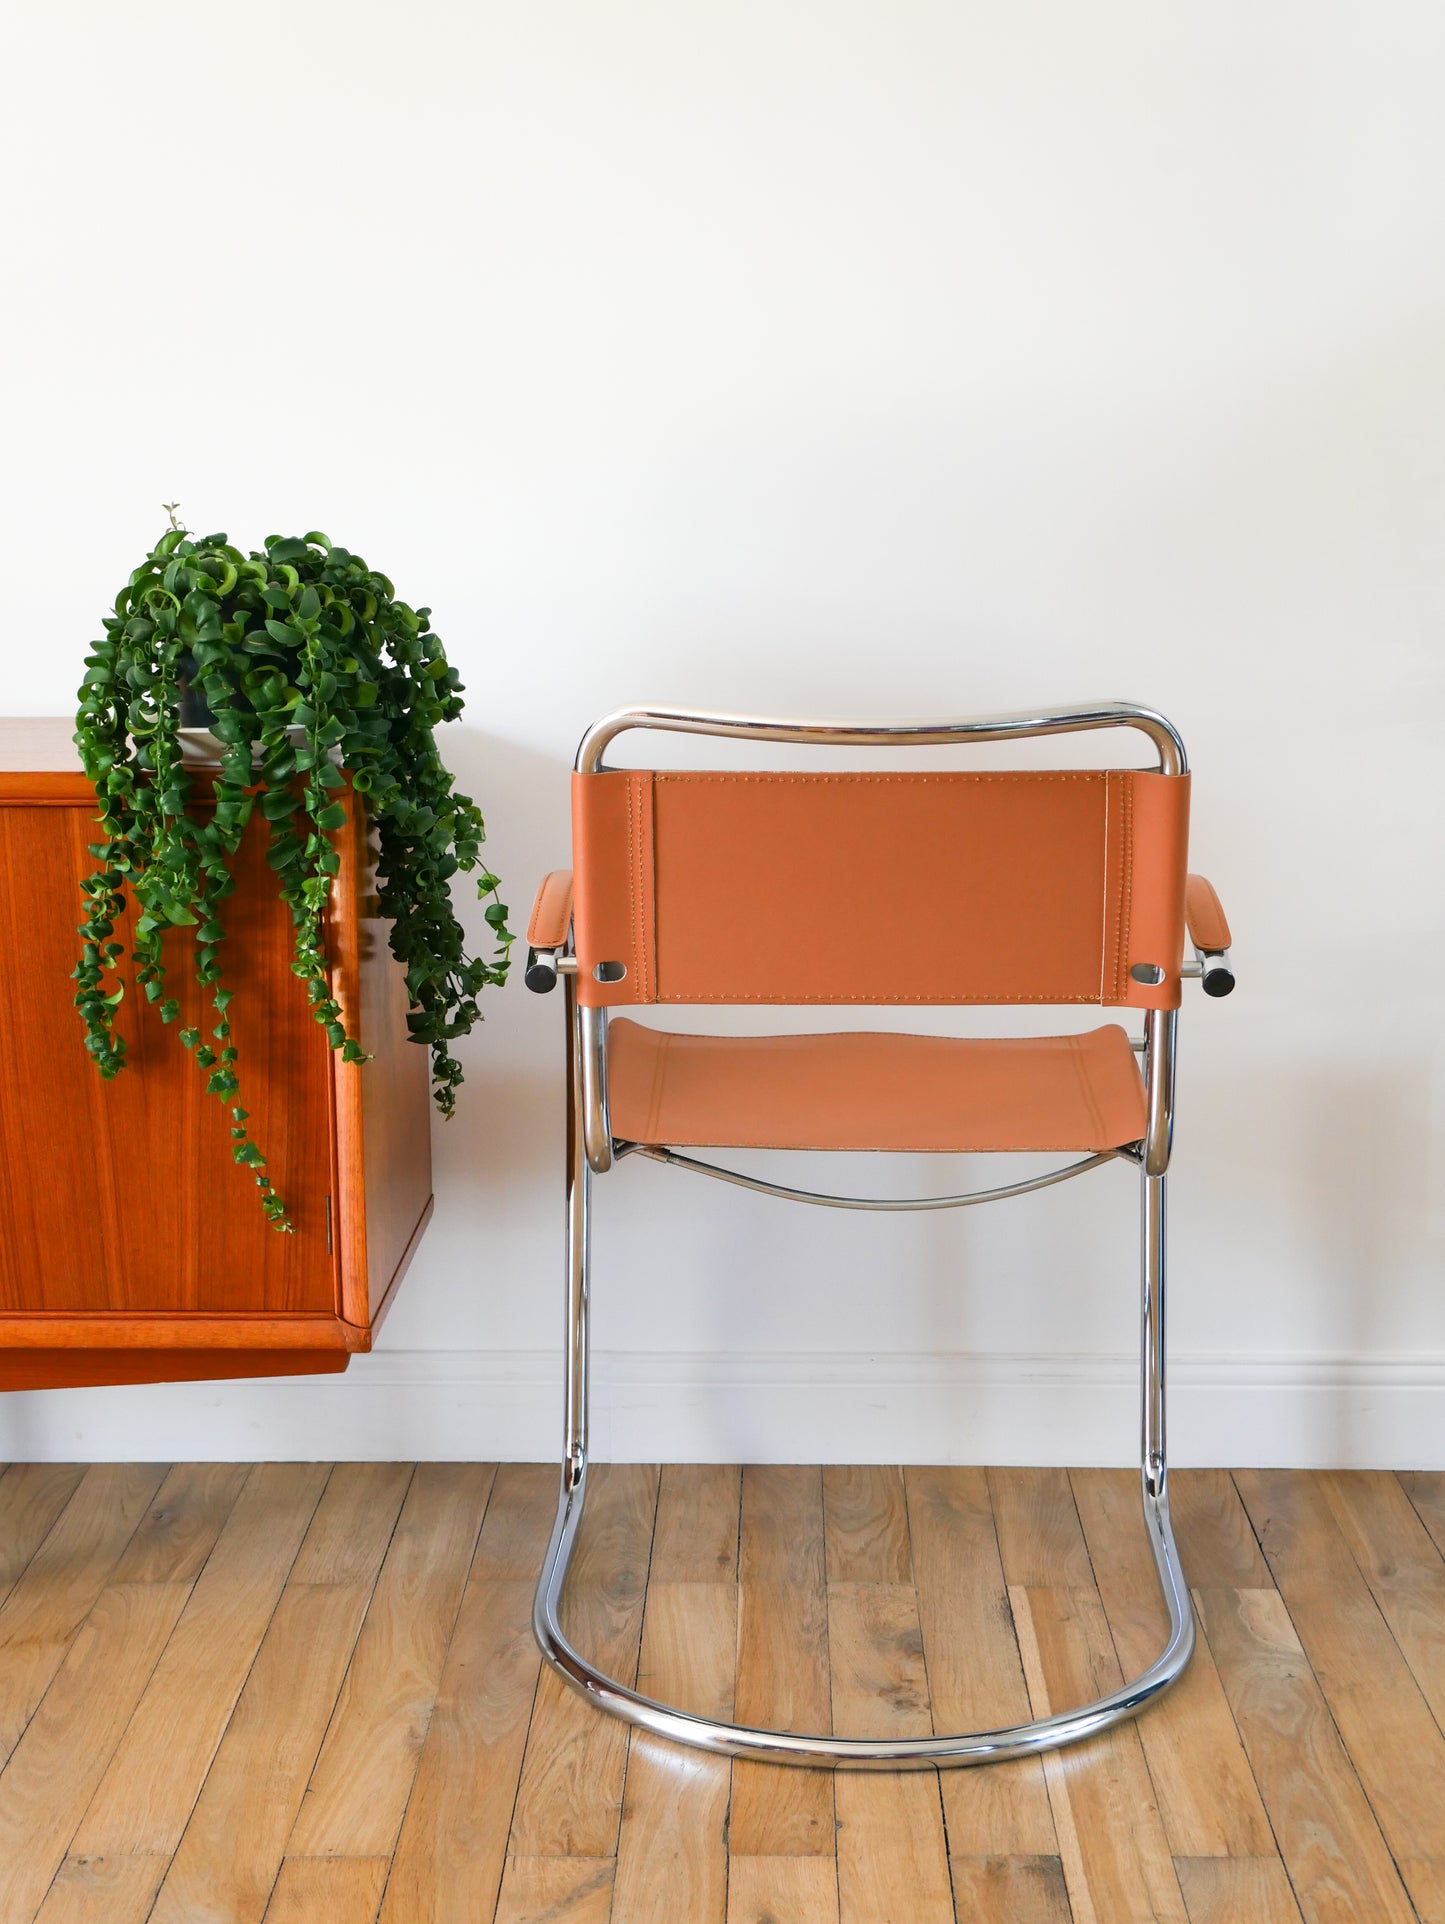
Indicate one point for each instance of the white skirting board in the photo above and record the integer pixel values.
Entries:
(1290, 1412)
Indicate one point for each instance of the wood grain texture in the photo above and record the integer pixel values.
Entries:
(32, 1496)
(1040, 1542)
(672, 1853)
(782, 1675)
(382, 1107)
(1010, 1890)
(103, 1890)
(453, 1843)
(866, 1517)
(1426, 1491)
(1207, 1795)
(769, 1890)
(696, 1540)
(975, 1675)
(127, 1204)
(146, 1795)
(1236, 1890)
(57, 1763)
(556, 1890)
(1425, 1880)
(1338, 1863)
(569, 1802)
(1111, 1837)
(892, 1859)
(232, 1847)
(26, 1365)
(219, 1652)
(892, 1852)
(129, 1199)
(1216, 1543)
(354, 1803)
(48, 1604)
(1394, 1743)
(336, 1890)
(875, 1652)
(1398, 1559)
(518, 1522)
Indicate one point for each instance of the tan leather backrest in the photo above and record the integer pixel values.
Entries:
(1029, 887)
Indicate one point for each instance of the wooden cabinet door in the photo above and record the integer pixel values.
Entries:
(122, 1196)
(132, 1248)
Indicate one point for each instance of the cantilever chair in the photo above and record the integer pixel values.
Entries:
(1033, 887)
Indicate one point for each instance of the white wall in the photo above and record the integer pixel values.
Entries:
(880, 357)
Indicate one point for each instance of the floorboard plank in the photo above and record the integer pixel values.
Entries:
(449, 1856)
(518, 1522)
(1394, 1743)
(32, 1496)
(673, 1846)
(1425, 1880)
(697, 1523)
(103, 1890)
(1010, 1890)
(354, 1803)
(1111, 1837)
(1236, 1890)
(892, 1857)
(1399, 1560)
(1040, 1542)
(62, 1580)
(1426, 1491)
(975, 1674)
(782, 1677)
(865, 1512)
(876, 1654)
(1206, 1791)
(892, 1851)
(150, 1788)
(178, 1532)
(569, 1803)
(58, 1761)
(231, 1850)
(452, 1849)
(1337, 1860)
(556, 1890)
(328, 1890)
(1217, 1546)
(133, 1608)
(55, 1767)
(782, 1890)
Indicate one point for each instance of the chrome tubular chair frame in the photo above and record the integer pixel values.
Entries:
(590, 1149)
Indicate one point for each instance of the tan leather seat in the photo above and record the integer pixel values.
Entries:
(871, 1091)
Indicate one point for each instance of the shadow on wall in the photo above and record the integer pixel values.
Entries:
(506, 1111)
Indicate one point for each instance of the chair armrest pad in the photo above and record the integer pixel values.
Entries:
(1204, 916)
(551, 911)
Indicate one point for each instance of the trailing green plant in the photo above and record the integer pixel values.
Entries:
(312, 672)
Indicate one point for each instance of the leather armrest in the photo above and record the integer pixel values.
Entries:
(552, 911)
(1204, 916)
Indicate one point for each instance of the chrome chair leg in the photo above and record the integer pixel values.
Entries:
(787, 1747)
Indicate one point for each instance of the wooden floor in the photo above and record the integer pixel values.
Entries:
(290, 1692)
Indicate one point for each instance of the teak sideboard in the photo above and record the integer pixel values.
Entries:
(132, 1249)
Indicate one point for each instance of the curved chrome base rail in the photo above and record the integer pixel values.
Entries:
(787, 1747)
(656, 1152)
(863, 1753)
